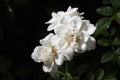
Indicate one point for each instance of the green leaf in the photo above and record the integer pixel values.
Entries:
(69, 76)
(99, 74)
(116, 41)
(61, 73)
(110, 77)
(106, 2)
(82, 68)
(105, 11)
(118, 51)
(102, 25)
(117, 17)
(118, 60)
(112, 31)
(115, 3)
(107, 57)
(90, 76)
(105, 34)
(104, 42)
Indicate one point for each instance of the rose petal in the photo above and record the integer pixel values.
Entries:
(51, 27)
(35, 54)
(46, 40)
(60, 59)
(91, 43)
(53, 73)
(81, 48)
(48, 66)
(68, 53)
(85, 36)
(88, 27)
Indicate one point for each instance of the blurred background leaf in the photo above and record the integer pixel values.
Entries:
(115, 3)
(116, 41)
(102, 25)
(99, 74)
(104, 42)
(90, 76)
(105, 11)
(117, 17)
(106, 1)
(107, 57)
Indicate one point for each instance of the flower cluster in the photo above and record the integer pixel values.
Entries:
(72, 34)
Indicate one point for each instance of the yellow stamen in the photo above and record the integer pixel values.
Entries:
(54, 51)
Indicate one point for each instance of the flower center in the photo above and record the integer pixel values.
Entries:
(78, 38)
(74, 37)
(54, 51)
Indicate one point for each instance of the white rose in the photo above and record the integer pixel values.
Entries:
(72, 34)
(62, 17)
(77, 31)
(53, 52)
(46, 54)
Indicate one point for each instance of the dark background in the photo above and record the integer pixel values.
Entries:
(22, 25)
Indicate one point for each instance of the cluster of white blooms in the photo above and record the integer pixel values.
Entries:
(72, 34)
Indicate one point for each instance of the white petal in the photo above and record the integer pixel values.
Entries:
(54, 14)
(69, 8)
(60, 30)
(68, 53)
(91, 44)
(46, 40)
(81, 48)
(54, 18)
(51, 27)
(91, 29)
(88, 27)
(65, 20)
(48, 67)
(60, 59)
(42, 54)
(85, 36)
(60, 13)
(53, 73)
(35, 54)
(56, 41)
(78, 22)
(63, 45)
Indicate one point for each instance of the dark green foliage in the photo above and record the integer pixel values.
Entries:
(107, 57)
(112, 31)
(99, 74)
(116, 41)
(117, 17)
(90, 76)
(106, 2)
(105, 11)
(104, 42)
(82, 69)
(102, 25)
(107, 35)
(115, 3)
(118, 51)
